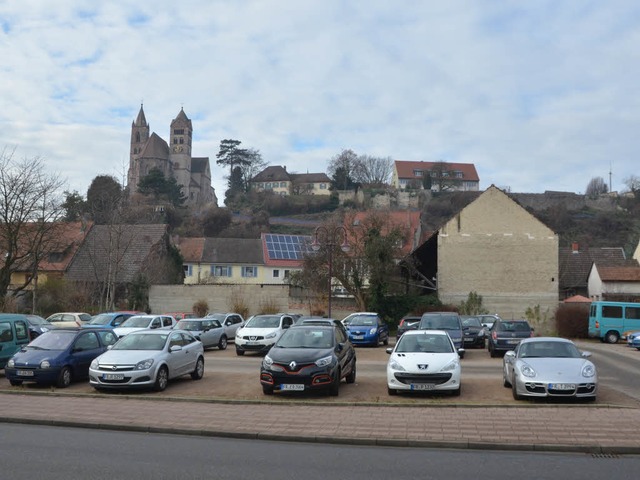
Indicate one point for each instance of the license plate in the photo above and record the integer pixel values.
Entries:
(25, 373)
(292, 386)
(358, 337)
(513, 342)
(113, 376)
(252, 343)
(422, 386)
(562, 386)
(468, 339)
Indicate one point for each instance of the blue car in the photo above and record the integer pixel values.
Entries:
(58, 357)
(367, 329)
(108, 320)
(633, 340)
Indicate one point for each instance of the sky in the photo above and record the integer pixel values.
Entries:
(538, 95)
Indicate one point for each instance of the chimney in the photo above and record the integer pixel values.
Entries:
(575, 248)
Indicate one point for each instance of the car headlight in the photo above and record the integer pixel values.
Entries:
(94, 364)
(325, 361)
(588, 370)
(271, 335)
(481, 333)
(267, 361)
(394, 365)
(373, 331)
(451, 366)
(11, 363)
(45, 364)
(238, 334)
(527, 371)
(44, 329)
(144, 364)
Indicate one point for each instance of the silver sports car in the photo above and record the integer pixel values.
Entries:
(549, 367)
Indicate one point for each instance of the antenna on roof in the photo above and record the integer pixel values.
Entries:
(610, 168)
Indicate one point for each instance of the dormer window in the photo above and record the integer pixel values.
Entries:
(417, 173)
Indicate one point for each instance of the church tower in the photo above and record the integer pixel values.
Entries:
(180, 151)
(139, 137)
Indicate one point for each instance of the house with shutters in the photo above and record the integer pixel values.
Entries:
(439, 176)
(276, 179)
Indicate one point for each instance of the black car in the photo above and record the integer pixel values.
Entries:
(407, 323)
(505, 335)
(309, 357)
(473, 330)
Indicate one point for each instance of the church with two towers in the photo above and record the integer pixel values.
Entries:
(173, 159)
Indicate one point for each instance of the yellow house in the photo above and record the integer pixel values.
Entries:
(277, 180)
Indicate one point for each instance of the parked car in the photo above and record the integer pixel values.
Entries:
(633, 340)
(549, 367)
(142, 322)
(346, 320)
(181, 315)
(368, 329)
(322, 321)
(68, 319)
(309, 357)
(207, 330)
(450, 322)
(14, 334)
(423, 361)
(37, 325)
(59, 356)
(488, 319)
(148, 359)
(109, 319)
(506, 334)
(231, 322)
(407, 323)
(473, 330)
(261, 332)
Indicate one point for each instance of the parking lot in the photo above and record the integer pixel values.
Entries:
(230, 377)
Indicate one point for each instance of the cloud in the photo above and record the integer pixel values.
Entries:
(539, 96)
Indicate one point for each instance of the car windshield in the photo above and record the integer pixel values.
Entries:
(514, 327)
(424, 343)
(440, 322)
(190, 325)
(363, 320)
(264, 321)
(102, 319)
(136, 322)
(53, 340)
(548, 350)
(471, 322)
(143, 341)
(306, 338)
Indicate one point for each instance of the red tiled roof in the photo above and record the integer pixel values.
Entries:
(191, 248)
(406, 219)
(619, 274)
(405, 169)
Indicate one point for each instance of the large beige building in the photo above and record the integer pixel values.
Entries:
(494, 247)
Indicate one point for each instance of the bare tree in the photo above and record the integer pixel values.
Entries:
(30, 206)
(596, 187)
(632, 182)
(369, 170)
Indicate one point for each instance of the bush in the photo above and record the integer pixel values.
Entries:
(201, 308)
(572, 320)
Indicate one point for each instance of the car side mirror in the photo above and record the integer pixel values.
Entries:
(586, 354)
(175, 348)
(510, 354)
(461, 352)
(389, 350)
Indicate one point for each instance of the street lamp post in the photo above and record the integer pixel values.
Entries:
(327, 237)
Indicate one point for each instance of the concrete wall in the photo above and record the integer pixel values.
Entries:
(497, 249)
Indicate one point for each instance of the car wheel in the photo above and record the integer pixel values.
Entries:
(15, 383)
(392, 391)
(514, 391)
(64, 378)
(612, 337)
(162, 379)
(239, 352)
(334, 389)
(351, 378)
(386, 340)
(505, 382)
(267, 390)
(222, 344)
(198, 372)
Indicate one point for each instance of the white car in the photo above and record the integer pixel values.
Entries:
(68, 319)
(423, 361)
(148, 358)
(261, 332)
(549, 367)
(230, 321)
(143, 322)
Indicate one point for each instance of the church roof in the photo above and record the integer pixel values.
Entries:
(155, 147)
(181, 119)
(141, 120)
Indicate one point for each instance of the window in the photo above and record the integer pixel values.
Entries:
(276, 273)
(632, 313)
(88, 341)
(458, 174)
(610, 311)
(283, 184)
(188, 270)
(323, 186)
(221, 270)
(167, 322)
(175, 141)
(6, 334)
(178, 131)
(250, 271)
(156, 323)
(286, 274)
(417, 173)
(181, 140)
(22, 333)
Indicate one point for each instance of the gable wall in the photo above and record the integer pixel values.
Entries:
(497, 249)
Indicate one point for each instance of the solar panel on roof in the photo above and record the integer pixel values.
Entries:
(287, 247)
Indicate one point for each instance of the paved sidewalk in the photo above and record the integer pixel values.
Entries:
(561, 428)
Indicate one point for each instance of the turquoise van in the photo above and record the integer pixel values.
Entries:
(611, 321)
(14, 334)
